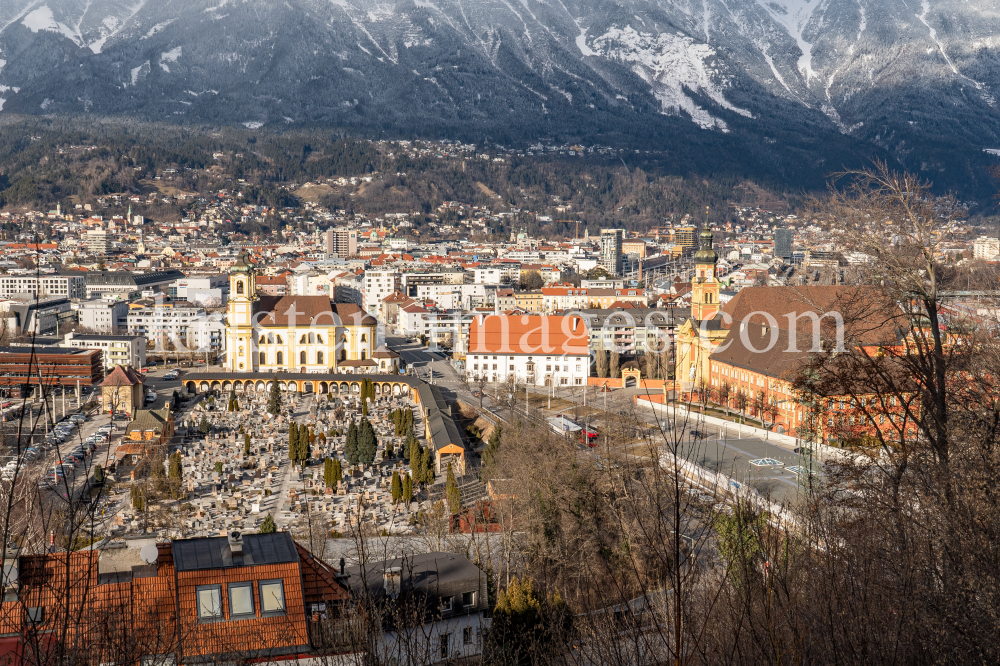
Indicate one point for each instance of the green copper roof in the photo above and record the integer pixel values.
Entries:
(706, 255)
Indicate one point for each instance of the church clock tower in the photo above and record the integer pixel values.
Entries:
(240, 356)
(705, 286)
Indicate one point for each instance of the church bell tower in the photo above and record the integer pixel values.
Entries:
(705, 286)
(240, 356)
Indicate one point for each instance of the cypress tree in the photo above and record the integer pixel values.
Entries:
(397, 488)
(274, 400)
(246, 443)
(427, 466)
(413, 453)
(328, 473)
(367, 442)
(407, 489)
(293, 441)
(175, 466)
(452, 492)
(338, 472)
(351, 446)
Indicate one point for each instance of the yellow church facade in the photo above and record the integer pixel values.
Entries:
(699, 336)
(300, 334)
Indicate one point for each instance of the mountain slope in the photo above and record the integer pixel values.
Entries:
(778, 85)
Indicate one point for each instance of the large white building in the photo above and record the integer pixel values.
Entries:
(103, 316)
(985, 247)
(541, 351)
(118, 349)
(64, 285)
(162, 325)
(378, 284)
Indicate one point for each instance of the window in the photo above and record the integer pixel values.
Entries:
(240, 600)
(36, 614)
(446, 603)
(270, 338)
(302, 357)
(319, 357)
(263, 358)
(467, 636)
(444, 645)
(239, 286)
(209, 602)
(280, 340)
(261, 341)
(468, 598)
(272, 597)
(312, 337)
(302, 341)
(319, 338)
(364, 354)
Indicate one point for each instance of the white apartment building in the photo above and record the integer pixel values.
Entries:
(488, 275)
(449, 296)
(96, 241)
(162, 325)
(118, 349)
(104, 316)
(64, 285)
(347, 288)
(985, 247)
(312, 283)
(207, 334)
(378, 284)
(541, 351)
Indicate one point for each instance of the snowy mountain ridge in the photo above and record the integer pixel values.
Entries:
(919, 82)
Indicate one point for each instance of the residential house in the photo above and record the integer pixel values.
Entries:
(443, 596)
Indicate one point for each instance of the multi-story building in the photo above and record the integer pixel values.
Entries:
(611, 250)
(53, 366)
(161, 325)
(783, 243)
(117, 349)
(209, 290)
(378, 284)
(28, 315)
(207, 333)
(985, 248)
(541, 351)
(294, 333)
(487, 275)
(272, 285)
(96, 241)
(686, 237)
(341, 242)
(348, 288)
(126, 284)
(64, 284)
(453, 627)
(410, 281)
(208, 600)
(103, 315)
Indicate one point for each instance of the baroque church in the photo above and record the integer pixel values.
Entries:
(302, 334)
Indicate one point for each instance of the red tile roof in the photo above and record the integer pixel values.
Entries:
(504, 334)
(122, 375)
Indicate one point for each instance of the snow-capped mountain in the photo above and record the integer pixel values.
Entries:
(823, 80)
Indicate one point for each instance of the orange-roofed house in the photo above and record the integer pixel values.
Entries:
(230, 599)
(541, 350)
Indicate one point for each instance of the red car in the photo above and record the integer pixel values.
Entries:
(591, 435)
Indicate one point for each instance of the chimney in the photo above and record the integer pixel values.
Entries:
(235, 543)
(391, 579)
(11, 579)
(342, 563)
